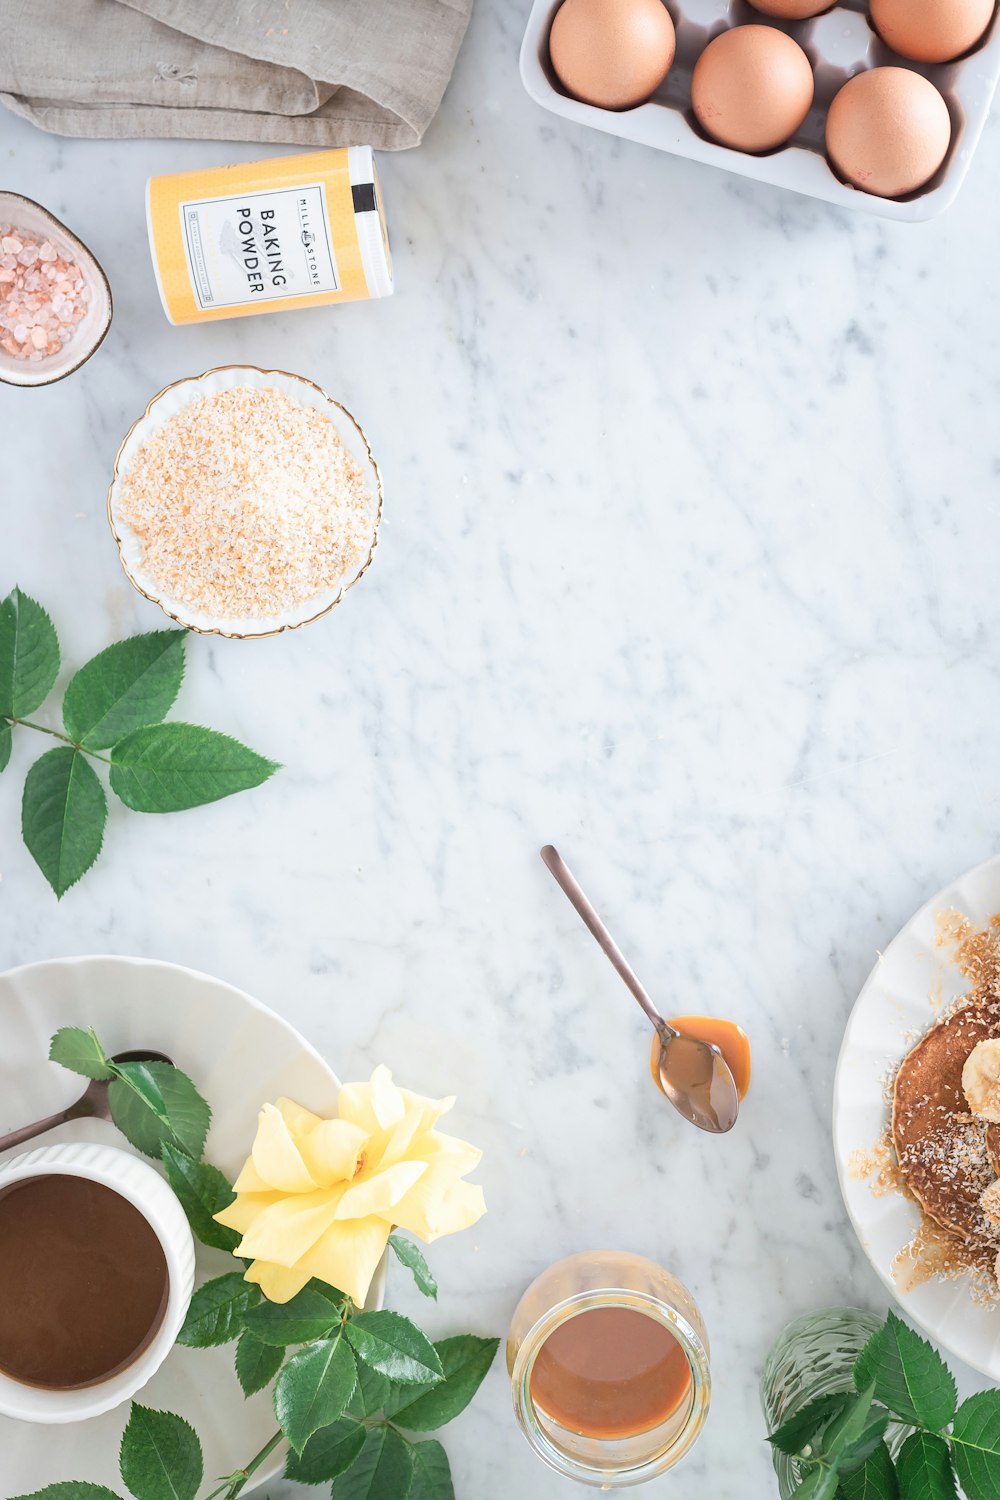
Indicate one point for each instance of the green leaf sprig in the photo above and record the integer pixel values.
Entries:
(350, 1388)
(838, 1441)
(116, 703)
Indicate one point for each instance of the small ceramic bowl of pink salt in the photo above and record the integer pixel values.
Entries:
(55, 301)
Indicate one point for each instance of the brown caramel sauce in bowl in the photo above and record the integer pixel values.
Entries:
(83, 1282)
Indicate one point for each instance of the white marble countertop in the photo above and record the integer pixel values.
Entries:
(689, 566)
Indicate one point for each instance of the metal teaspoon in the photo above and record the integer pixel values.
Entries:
(694, 1075)
(92, 1104)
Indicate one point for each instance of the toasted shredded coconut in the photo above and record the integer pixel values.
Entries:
(246, 504)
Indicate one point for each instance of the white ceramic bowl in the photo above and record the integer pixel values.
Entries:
(92, 328)
(166, 404)
(137, 1182)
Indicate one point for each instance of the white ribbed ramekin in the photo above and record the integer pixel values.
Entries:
(134, 1180)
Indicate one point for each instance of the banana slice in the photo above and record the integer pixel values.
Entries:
(981, 1080)
(990, 1202)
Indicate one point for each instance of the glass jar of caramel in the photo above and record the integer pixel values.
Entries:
(609, 1366)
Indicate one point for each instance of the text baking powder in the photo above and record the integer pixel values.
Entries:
(296, 231)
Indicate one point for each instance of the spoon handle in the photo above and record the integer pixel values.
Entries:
(28, 1132)
(574, 892)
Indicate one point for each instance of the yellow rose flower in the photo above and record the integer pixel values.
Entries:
(319, 1197)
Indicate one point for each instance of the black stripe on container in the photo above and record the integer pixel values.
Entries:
(363, 194)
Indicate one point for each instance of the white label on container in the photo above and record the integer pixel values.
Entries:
(254, 247)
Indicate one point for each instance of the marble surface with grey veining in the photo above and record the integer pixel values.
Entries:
(689, 565)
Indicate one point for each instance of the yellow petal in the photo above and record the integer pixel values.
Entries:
(378, 1194)
(347, 1256)
(244, 1209)
(285, 1230)
(416, 1122)
(250, 1180)
(462, 1157)
(276, 1157)
(439, 1204)
(354, 1105)
(298, 1119)
(432, 1109)
(387, 1101)
(278, 1283)
(376, 1105)
(331, 1151)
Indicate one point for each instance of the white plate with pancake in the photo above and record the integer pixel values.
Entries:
(906, 992)
(240, 1055)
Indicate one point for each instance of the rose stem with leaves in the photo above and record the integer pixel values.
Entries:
(116, 703)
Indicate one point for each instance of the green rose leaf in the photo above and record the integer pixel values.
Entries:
(131, 684)
(923, 1466)
(29, 655)
(328, 1453)
(313, 1389)
(6, 740)
(215, 1315)
(80, 1051)
(856, 1432)
(71, 1489)
(395, 1347)
(63, 813)
(819, 1484)
(169, 767)
(376, 1396)
(311, 1314)
(431, 1473)
(409, 1255)
(909, 1376)
(257, 1363)
(464, 1361)
(875, 1480)
(203, 1192)
(187, 1114)
(144, 1083)
(383, 1469)
(801, 1432)
(160, 1456)
(975, 1439)
(856, 1453)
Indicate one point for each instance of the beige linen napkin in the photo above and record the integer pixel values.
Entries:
(309, 72)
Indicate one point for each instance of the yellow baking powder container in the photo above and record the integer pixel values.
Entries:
(295, 231)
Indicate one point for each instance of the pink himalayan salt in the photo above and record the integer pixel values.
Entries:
(43, 295)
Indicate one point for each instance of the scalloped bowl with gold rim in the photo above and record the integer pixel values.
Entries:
(172, 399)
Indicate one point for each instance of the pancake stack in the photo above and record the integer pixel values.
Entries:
(949, 1157)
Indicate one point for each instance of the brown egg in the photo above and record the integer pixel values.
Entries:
(888, 131)
(931, 30)
(612, 53)
(752, 88)
(792, 10)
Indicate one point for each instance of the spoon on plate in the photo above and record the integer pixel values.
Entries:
(694, 1075)
(92, 1104)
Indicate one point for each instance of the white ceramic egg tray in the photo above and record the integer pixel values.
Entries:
(839, 44)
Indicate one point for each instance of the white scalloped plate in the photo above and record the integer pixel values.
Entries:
(909, 984)
(240, 1054)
